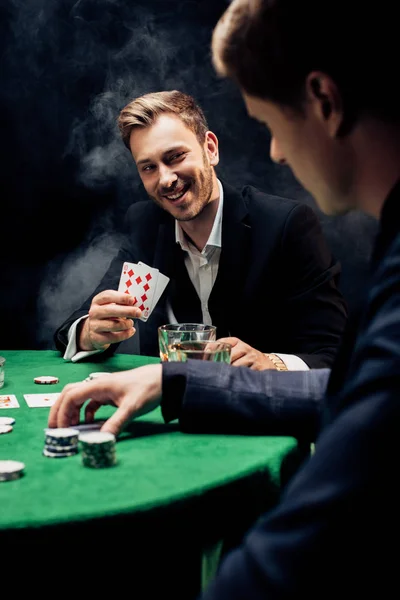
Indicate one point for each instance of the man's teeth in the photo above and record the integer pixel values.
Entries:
(176, 196)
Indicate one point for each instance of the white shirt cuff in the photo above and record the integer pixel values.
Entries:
(293, 363)
(71, 350)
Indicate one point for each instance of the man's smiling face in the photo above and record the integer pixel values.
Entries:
(176, 170)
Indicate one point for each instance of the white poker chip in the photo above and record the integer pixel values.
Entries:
(56, 449)
(96, 437)
(58, 454)
(46, 379)
(61, 432)
(11, 469)
(5, 429)
(7, 420)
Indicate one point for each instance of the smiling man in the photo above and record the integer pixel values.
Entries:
(254, 265)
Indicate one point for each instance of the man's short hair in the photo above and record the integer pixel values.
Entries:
(144, 111)
(268, 47)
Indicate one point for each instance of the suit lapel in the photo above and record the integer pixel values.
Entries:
(233, 267)
(234, 262)
(165, 247)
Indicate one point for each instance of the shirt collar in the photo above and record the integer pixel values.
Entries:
(215, 236)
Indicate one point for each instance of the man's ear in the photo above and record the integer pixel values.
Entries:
(325, 101)
(211, 148)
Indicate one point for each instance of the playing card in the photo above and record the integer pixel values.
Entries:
(35, 400)
(139, 281)
(144, 287)
(9, 401)
(128, 275)
(94, 426)
(162, 282)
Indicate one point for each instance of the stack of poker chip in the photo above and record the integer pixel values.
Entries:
(60, 442)
(6, 424)
(11, 469)
(98, 449)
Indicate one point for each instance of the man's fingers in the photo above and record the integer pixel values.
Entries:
(112, 296)
(111, 304)
(66, 411)
(233, 341)
(116, 422)
(111, 337)
(90, 410)
(113, 311)
(55, 409)
(111, 324)
(243, 361)
(238, 352)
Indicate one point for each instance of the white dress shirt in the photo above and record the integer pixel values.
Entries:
(202, 268)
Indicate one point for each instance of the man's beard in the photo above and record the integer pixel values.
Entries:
(205, 185)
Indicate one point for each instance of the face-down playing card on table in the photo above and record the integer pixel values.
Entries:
(144, 283)
(90, 426)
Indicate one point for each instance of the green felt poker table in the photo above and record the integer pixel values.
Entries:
(169, 490)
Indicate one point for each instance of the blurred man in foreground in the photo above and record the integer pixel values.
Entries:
(321, 80)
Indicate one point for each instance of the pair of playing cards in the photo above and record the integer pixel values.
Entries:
(143, 283)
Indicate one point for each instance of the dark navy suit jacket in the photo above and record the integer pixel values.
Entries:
(335, 532)
(276, 287)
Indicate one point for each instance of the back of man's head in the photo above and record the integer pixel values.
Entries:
(270, 46)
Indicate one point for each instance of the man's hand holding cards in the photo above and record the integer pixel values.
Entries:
(144, 283)
(110, 321)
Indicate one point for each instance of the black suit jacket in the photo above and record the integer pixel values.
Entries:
(335, 531)
(276, 287)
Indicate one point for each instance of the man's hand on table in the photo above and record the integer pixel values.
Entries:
(244, 355)
(110, 321)
(135, 393)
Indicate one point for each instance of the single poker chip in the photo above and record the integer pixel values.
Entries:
(46, 379)
(11, 469)
(56, 449)
(50, 454)
(7, 420)
(61, 436)
(5, 429)
(97, 437)
(61, 432)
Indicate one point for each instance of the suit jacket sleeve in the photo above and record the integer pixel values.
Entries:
(332, 529)
(140, 230)
(238, 400)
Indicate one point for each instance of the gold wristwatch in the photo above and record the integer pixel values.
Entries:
(278, 362)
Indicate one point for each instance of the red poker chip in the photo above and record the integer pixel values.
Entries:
(46, 379)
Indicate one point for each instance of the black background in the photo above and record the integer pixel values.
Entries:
(67, 68)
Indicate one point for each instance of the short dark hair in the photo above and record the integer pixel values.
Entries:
(270, 46)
